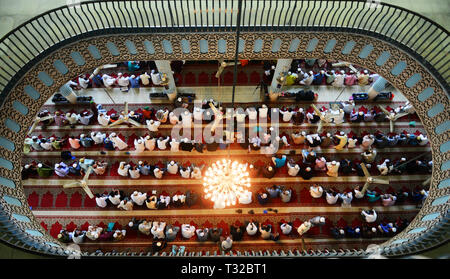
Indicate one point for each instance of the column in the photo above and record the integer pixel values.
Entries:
(377, 87)
(163, 67)
(68, 92)
(283, 65)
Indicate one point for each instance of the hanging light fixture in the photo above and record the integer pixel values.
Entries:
(226, 181)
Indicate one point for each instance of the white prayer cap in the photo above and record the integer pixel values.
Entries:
(342, 133)
(322, 219)
(130, 224)
(394, 229)
(74, 165)
(172, 162)
(147, 137)
(333, 163)
(34, 137)
(273, 67)
(140, 162)
(133, 76)
(113, 134)
(119, 74)
(322, 71)
(328, 135)
(270, 168)
(342, 72)
(264, 195)
(366, 72)
(341, 231)
(56, 165)
(332, 71)
(308, 169)
(139, 141)
(27, 166)
(357, 230)
(311, 72)
(374, 229)
(39, 165)
(52, 138)
(82, 136)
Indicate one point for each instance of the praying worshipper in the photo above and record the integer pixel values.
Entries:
(100, 200)
(286, 195)
(174, 119)
(122, 81)
(346, 199)
(367, 141)
(369, 215)
(85, 117)
(266, 233)
(356, 116)
(134, 81)
(64, 236)
(152, 202)
(320, 164)
(125, 204)
(123, 169)
(372, 196)
(162, 143)
(273, 191)
(103, 119)
(279, 161)
(286, 228)
(36, 143)
(171, 232)
(313, 140)
(78, 236)
(139, 145)
(163, 202)
(312, 117)
(187, 231)
(153, 125)
(28, 170)
(386, 229)
(357, 192)
(251, 228)
(293, 168)
(333, 168)
(72, 119)
(108, 81)
(115, 196)
(388, 199)
(337, 233)
(149, 143)
(369, 232)
(226, 244)
(44, 171)
(380, 141)
(196, 172)
(303, 228)
(74, 143)
(98, 137)
(144, 168)
(422, 140)
(174, 145)
(185, 173)
(262, 197)
(298, 116)
(172, 167)
(93, 232)
(339, 79)
(317, 221)
(342, 141)
(117, 142)
(158, 230)
(237, 232)
(299, 138)
(119, 235)
(46, 144)
(352, 142)
(306, 173)
(138, 198)
(353, 232)
(316, 191)
(57, 143)
(145, 227)
(306, 78)
(214, 234)
(385, 167)
(99, 167)
(346, 166)
(350, 79)
(61, 169)
(419, 196)
(85, 141)
(369, 155)
(268, 171)
(202, 234)
(331, 197)
(158, 173)
(75, 169)
(178, 200)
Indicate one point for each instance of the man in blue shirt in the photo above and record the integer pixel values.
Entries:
(134, 81)
(279, 162)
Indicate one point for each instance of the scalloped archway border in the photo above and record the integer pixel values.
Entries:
(426, 109)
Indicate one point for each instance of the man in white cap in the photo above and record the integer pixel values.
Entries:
(369, 156)
(162, 115)
(185, 173)
(251, 228)
(100, 200)
(72, 118)
(252, 113)
(83, 81)
(174, 145)
(139, 145)
(263, 111)
(363, 78)
(158, 230)
(171, 232)
(156, 77)
(145, 227)
(138, 197)
(114, 197)
(61, 169)
(122, 81)
(145, 78)
(162, 143)
(144, 169)
(103, 119)
(287, 114)
(369, 215)
(385, 168)
(332, 197)
(46, 144)
(123, 169)
(85, 117)
(100, 167)
(187, 231)
(286, 228)
(93, 232)
(346, 199)
(149, 143)
(108, 81)
(118, 142)
(299, 138)
(352, 142)
(98, 137)
(172, 167)
(367, 141)
(125, 204)
(36, 143)
(331, 76)
(293, 168)
(134, 172)
(339, 79)
(304, 227)
(350, 79)
(333, 168)
(317, 221)
(316, 191)
(196, 173)
(174, 119)
(158, 173)
(74, 143)
(153, 125)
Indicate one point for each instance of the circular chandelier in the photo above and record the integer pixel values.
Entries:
(226, 181)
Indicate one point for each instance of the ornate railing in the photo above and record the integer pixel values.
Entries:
(419, 37)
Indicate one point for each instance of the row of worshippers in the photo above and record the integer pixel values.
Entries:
(150, 200)
(94, 233)
(59, 118)
(157, 171)
(62, 169)
(373, 230)
(268, 193)
(121, 80)
(387, 199)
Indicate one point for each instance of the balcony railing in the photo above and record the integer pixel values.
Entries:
(421, 37)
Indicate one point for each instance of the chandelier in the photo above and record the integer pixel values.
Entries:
(226, 181)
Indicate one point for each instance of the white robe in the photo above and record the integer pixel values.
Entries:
(103, 120)
(98, 138)
(140, 147)
(123, 171)
(153, 127)
(150, 144)
(119, 143)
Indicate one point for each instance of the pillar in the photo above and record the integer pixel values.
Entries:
(283, 65)
(163, 67)
(377, 87)
(68, 93)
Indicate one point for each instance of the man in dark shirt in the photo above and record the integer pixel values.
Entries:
(215, 233)
(306, 173)
(186, 145)
(237, 232)
(268, 171)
